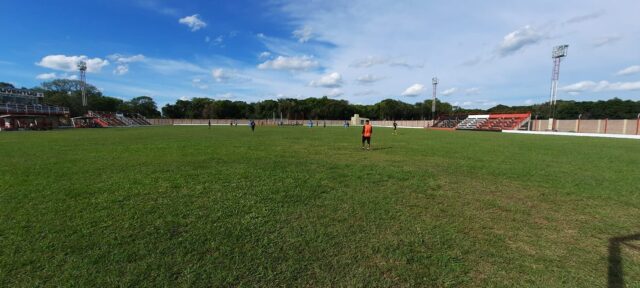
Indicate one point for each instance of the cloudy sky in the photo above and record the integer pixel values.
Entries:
(483, 52)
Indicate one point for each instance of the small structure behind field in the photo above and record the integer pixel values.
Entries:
(357, 120)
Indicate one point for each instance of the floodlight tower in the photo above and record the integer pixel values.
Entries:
(82, 66)
(558, 53)
(434, 81)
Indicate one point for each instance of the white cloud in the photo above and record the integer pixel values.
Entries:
(121, 70)
(303, 34)
(529, 102)
(600, 86)
(194, 22)
(405, 64)
(622, 86)
(518, 39)
(46, 76)
(369, 62)
(331, 80)
(579, 87)
(290, 63)
(220, 75)
(219, 41)
(629, 70)
(413, 90)
(70, 63)
(368, 79)
(586, 17)
(449, 91)
(264, 55)
(334, 93)
(124, 61)
(606, 40)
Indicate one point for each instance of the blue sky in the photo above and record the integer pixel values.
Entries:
(483, 52)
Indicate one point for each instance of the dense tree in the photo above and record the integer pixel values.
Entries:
(388, 109)
(143, 105)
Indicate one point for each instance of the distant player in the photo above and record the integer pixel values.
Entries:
(395, 127)
(367, 130)
(253, 126)
(209, 123)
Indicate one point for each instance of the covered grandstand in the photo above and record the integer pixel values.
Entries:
(22, 109)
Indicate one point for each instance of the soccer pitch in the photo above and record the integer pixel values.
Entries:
(294, 206)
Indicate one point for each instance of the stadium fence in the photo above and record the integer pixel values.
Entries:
(604, 126)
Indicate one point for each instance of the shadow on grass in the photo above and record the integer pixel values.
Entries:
(381, 148)
(615, 277)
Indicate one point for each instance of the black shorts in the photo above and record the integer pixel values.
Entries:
(368, 139)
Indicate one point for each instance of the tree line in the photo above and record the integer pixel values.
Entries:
(300, 109)
(63, 92)
(388, 109)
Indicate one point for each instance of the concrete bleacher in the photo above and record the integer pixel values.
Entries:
(472, 122)
(499, 122)
(110, 119)
(448, 121)
(495, 122)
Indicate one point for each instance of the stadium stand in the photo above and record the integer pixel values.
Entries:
(495, 122)
(447, 121)
(110, 119)
(23, 109)
(499, 122)
(472, 122)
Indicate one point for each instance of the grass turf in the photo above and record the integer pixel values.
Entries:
(191, 206)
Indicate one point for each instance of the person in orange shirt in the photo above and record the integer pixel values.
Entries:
(367, 130)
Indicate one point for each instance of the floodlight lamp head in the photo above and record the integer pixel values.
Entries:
(434, 80)
(560, 51)
(82, 66)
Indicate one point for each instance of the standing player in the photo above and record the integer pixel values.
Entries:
(367, 130)
(253, 126)
(209, 123)
(395, 127)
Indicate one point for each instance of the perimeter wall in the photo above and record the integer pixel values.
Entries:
(604, 126)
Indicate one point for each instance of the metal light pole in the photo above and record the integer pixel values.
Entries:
(434, 81)
(82, 66)
(558, 53)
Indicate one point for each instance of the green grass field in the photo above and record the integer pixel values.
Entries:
(189, 206)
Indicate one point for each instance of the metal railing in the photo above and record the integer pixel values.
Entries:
(33, 109)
